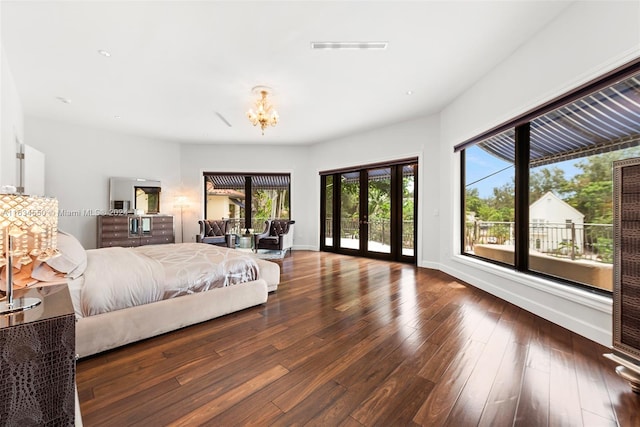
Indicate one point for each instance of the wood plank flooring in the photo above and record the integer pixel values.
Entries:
(352, 342)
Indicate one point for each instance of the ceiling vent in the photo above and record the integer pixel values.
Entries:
(349, 45)
(223, 119)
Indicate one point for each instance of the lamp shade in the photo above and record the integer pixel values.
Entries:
(29, 216)
(28, 230)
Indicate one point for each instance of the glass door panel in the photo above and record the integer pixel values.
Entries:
(226, 200)
(328, 211)
(269, 200)
(378, 219)
(408, 209)
(350, 210)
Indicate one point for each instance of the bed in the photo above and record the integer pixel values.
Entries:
(123, 295)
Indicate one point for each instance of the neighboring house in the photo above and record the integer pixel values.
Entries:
(224, 203)
(555, 226)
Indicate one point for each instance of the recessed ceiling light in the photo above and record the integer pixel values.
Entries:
(116, 117)
(409, 92)
(104, 53)
(63, 99)
(349, 45)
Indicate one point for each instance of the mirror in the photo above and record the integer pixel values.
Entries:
(126, 195)
(148, 199)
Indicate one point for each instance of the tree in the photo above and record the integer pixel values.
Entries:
(592, 189)
(473, 202)
(544, 180)
(503, 203)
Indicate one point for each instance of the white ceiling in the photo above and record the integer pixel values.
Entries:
(174, 64)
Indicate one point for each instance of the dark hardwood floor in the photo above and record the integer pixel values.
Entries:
(350, 341)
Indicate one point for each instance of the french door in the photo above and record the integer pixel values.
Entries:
(371, 211)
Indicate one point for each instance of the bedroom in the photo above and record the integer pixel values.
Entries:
(81, 157)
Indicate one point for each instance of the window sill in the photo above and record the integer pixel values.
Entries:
(573, 294)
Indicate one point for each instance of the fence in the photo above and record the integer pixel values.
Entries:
(570, 240)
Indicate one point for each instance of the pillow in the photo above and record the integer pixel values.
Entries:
(43, 273)
(72, 260)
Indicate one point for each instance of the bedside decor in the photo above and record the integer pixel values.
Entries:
(28, 231)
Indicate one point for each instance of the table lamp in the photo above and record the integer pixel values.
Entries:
(28, 231)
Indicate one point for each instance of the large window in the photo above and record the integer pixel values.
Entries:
(538, 195)
(228, 196)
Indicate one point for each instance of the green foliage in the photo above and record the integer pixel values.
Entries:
(604, 248)
(499, 207)
(567, 247)
(590, 191)
(379, 200)
(544, 180)
(407, 198)
(269, 204)
(350, 202)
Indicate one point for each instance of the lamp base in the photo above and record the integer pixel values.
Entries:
(19, 304)
(627, 370)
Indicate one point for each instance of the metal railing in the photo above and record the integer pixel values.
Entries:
(568, 240)
(379, 231)
(237, 225)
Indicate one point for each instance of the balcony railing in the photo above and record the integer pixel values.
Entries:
(379, 231)
(237, 225)
(568, 240)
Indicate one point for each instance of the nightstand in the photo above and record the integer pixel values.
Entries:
(37, 355)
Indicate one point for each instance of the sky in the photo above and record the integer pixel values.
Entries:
(480, 166)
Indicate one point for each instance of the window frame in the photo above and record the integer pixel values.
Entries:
(522, 125)
(248, 189)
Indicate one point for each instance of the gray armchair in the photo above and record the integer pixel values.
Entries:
(215, 233)
(277, 235)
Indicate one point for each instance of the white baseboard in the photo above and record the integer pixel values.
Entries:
(581, 312)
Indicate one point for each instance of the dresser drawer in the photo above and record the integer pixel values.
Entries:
(162, 220)
(162, 226)
(156, 240)
(126, 243)
(167, 232)
(115, 236)
(108, 228)
(114, 220)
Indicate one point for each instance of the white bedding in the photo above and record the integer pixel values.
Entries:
(117, 278)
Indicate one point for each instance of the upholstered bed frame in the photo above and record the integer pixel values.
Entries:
(101, 332)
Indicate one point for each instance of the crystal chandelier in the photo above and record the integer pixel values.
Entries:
(264, 115)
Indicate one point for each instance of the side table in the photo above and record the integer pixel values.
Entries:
(246, 241)
(37, 355)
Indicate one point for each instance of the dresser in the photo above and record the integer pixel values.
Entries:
(37, 355)
(134, 230)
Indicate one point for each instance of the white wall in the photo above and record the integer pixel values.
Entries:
(414, 138)
(11, 123)
(197, 158)
(402, 140)
(573, 49)
(80, 160)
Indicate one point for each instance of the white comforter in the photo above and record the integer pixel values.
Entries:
(118, 278)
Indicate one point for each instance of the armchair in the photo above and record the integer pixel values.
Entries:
(215, 233)
(277, 235)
